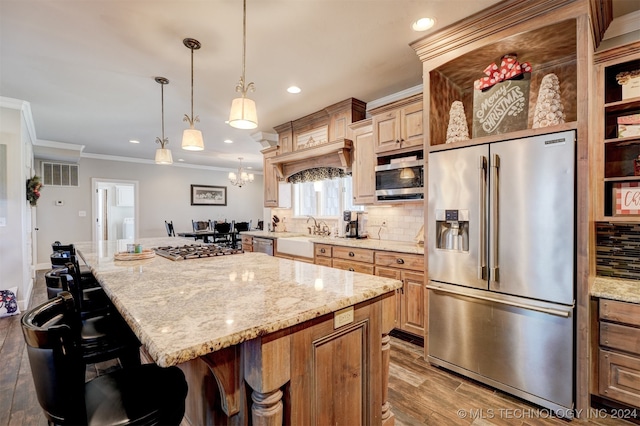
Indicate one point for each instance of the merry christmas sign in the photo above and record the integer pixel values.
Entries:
(501, 100)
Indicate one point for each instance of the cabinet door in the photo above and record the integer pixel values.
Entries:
(395, 274)
(364, 179)
(386, 131)
(413, 311)
(411, 129)
(619, 377)
(270, 180)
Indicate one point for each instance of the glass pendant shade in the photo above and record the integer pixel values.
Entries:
(192, 140)
(163, 156)
(243, 114)
(232, 176)
(407, 173)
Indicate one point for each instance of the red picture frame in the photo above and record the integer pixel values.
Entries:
(626, 199)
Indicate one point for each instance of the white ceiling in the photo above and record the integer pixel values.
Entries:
(87, 67)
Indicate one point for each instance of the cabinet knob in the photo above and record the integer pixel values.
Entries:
(322, 250)
(351, 254)
(400, 261)
(397, 140)
(352, 270)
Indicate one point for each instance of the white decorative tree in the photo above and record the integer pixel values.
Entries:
(457, 130)
(549, 110)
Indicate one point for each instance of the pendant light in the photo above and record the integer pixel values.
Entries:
(192, 138)
(243, 110)
(163, 155)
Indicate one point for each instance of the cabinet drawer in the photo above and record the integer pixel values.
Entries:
(393, 273)
(625, 312)
(353, 266)
(349, 253)
(247, 239)
(324, 261)
(621, 337)
(619, 377)
(322, 250)
(414, 262)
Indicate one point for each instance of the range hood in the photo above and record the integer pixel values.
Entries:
(331, 154)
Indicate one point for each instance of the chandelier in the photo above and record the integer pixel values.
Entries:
(241, 178)
(163, 155)
(243, 113)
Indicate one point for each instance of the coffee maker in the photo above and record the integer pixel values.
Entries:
(355, 224)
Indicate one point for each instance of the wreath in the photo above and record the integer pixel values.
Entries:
(33, 190)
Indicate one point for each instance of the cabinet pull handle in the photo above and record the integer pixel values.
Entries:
(322, 250)
(400, 261)
(351, 254)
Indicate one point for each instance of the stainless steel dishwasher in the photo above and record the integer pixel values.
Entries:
(263, 245)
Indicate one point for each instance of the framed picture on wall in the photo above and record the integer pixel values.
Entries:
(205, 195)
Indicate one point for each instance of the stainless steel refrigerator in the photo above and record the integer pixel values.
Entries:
(501, 266)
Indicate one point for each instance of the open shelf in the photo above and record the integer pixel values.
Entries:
(549, 49)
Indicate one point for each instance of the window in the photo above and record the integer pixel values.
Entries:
(325, 198)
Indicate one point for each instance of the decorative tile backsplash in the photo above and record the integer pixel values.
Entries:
(394, 223)
(618, 250)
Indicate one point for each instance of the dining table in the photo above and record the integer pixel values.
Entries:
(208, 236)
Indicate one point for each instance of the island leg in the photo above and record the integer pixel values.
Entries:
(267, 367)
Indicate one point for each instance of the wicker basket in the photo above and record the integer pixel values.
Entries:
(146, 254)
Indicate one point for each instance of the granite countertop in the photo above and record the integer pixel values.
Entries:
(616, 289)
(368, 243)
(184, 309)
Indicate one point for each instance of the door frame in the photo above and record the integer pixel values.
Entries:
(95, 183)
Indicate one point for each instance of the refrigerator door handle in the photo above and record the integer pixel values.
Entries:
(494, 267)
(556, 312)
(482, 228)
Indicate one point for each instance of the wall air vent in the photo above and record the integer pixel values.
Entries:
(59, 174)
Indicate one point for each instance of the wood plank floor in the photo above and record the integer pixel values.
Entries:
(420, 394)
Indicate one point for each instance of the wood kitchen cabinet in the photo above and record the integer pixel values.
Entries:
(364, 163)
(247, 243)
(353, 259)
(411, 298)
(398, 125)
(270, 178)
(619, 351)
(615, 157)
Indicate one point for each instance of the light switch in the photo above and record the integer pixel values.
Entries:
(82, 213)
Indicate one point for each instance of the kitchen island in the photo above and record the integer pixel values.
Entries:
(285, 341)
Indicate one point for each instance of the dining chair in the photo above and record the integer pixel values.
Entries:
(222, 232)
(143, 394)
(169, 227)
(200, 225)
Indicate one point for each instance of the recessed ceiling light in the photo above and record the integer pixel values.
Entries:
(134, 141)
(228, 141)
(294, 89)
(423, 24)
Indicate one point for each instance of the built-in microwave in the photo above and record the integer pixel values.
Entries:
(400, 181)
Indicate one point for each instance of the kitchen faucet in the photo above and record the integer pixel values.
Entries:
(317, 229)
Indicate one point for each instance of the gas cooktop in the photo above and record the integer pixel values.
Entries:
(194, 251)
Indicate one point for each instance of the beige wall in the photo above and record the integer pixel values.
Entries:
(163, 194)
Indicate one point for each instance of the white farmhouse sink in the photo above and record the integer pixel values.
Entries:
(296, 246)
